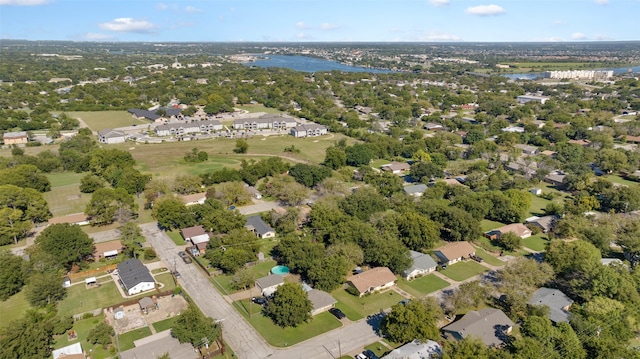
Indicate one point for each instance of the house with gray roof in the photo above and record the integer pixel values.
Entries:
(259, 227)
(416, 350)
(308, 130)
(110, 136)
(320, 301)
(416, 190)
(135, 277)
(558, 303)
(269, 284)
(421, 264)
(490, 325)
(545, 223)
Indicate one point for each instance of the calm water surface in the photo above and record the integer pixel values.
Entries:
(309, 64)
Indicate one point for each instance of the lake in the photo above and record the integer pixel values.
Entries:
(535, 75)
(308, 64)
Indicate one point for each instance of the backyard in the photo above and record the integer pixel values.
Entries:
(357, 308)
(13, 308)
(82, 329)
(126, 340)
(464, 270)
(283, 337)
(422, 286)
(261, 269)
(537, 243)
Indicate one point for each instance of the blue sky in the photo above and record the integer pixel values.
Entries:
(320, 20)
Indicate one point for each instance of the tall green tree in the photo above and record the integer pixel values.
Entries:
(290, 306)
(66, 242)
(417, 319)
(108, 205)
(12, 276)
(194, 328)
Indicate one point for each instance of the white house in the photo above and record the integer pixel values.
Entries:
(135, 277)
(269, 284)
(421, 264)
(110, 136)
(259, 227)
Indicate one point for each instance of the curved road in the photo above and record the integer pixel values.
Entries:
(240, 335)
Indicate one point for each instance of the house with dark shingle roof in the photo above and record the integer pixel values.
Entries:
(421, 264)
(135, 277)
(558, 303)
(259, 227)
(489, 325)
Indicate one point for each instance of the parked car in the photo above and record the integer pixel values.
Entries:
(360, 356)
(370, 354)
(176, 274)
(476, 258)
(185, 257)
(404, 301)
(259, 300)
(337, 313)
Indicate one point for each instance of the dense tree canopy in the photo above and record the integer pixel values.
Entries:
(290, 306)
(66, 242)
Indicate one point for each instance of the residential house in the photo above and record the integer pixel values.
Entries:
(107, 250)
(320, 301)
(628, 138)
(416, 350)
(259, 227)
(135, 277)
(518, 229)
(421, 264)
(546, 223)
(110, 136)
(431, 126)
(170, 112)
(450, 182)
(73, 351)
(80, 219)
(397, 168)
(195, 234)
(15, 138)
(527, 149)
(416, 190)
(580, 142)
(269, 284)
(196, 198)
(490, 325)
(308, 130)
(157, 345)
(374, 279)
(513, 129)
(529, 98)
(558, 303)
(555, 178)
(453, 252)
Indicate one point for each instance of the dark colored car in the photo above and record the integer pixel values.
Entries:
(185, 257)
(259, 300)
(370, 354)
(337, 313)
(176, 274)
(476, 258)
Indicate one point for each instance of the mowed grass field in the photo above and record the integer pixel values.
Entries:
(65, 196)
(259, 108)
(13, 308)
(99, 120)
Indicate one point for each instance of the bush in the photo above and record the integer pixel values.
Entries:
(101, 334)
(150, 253)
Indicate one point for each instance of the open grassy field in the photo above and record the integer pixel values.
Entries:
(463, 270)
(487, 244)
(619, 180)
(537, 243)
(422, 286)
(65, 178)
(259, 108)
(67, 199)
(13, 308)
(521, 67)
(99, 120)
(366, 305)
(283, 337)
(82, 329)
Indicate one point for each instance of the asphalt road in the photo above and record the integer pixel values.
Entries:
(241, 336)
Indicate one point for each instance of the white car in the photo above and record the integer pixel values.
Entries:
(361, 356)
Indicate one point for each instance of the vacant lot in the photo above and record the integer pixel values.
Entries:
(99, 120)
(463, 270)
(283, 337)
(359, 307)
(67, 199)
(422, 286)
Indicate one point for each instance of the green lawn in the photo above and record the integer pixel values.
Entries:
(13, 308)
(222, 281)
(537, 242)
(378, 348)
(283, 337)
(82, 329)
(488, 257)
(620, 180)
(359, 307)
(487, 225)
(379, 163)
(487, 244)
(67, 199)
(167, 280)
(163, 325)
(422, 286)
(65, 178)
(99, 120)
(537, 206)
(126, 340)
(463, 270)
(176, 237)
(259, 108)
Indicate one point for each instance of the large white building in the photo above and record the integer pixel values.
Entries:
(309, 130)
(173, 129)
(580, 74)
(264, 122)
(528, 98)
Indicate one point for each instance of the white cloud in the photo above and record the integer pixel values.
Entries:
(328, 26)
(578, 36)
(603, 37)
(486, 10)
(301, 25)
(601, 2)
(94, 36)
(440, 2)
(439, 36)
(192, 9)
(127, 24)
(162, 6)
(24, 2)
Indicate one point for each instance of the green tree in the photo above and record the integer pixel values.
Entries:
(187, 184)
(425, 171)
(385, 183)
(171, 213)
(363, 202)
(28, 337)
(335, 158)
(290, 306)
(11, 274)
(44, 288)
(130, 233)
(242, 146)
(89, 183)
(417, 319)
(358, 155)
(101, 334)
(242, 279)
(328, 273)
(418, 232)
(66, 242)
(193, 327)
(108, 205)
(309, 175)
(26, 176)
(509, 241)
